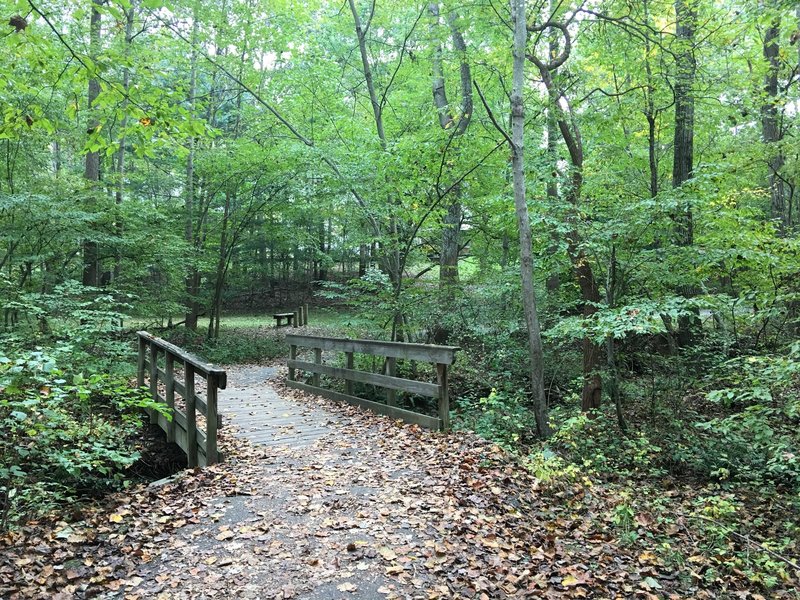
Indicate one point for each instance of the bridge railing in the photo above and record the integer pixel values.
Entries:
(200, 446)
(440, 356)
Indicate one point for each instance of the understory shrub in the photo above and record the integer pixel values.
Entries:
(503, 417)
(66, 434)
(67, 410)
(233, 346)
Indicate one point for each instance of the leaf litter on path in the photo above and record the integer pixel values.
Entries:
(376, 509)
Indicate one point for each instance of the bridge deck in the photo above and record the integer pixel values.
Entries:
(263, 417)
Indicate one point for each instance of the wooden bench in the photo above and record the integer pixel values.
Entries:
(280, 316)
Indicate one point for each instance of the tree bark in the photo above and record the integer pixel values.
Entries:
(771, 129)
(590, 296)
(192, 283)
(222, 263)
(390, 256)
(539, 398)
(650, 110)
(553, 280)
(451, 225)
(118, 194)
(683, 141)
(91, 258)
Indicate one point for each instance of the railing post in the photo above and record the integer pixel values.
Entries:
(317, 360)
(191, 416)
(305, 315)
(292, 356)
(154, 380)
(444, 398)
(294, 319)
(169, 369)
(348, 383)
(140, 362)
(211, 420)
(391, 370)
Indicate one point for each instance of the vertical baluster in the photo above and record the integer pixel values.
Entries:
(317, 360)
(444, 397)
(169, 369)
(211, 421)
(154, 380)
(140, 362)
(191, 417)
(348, 383)
(391, 369)
(292, 356)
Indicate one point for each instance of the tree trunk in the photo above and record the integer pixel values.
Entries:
(91, 260)
(451, 240)
(219, 280)
(451, 225)
(363, 252)
(539, 398)
(570, 133)
(771, 130)
(322, 273)
(118, 195)
(650, 110)
(683, 142)
(192, 283)
(553, 280)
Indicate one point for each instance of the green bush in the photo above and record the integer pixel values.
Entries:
(67, 410)
(65, 434)
(503, 417)
(591, 441)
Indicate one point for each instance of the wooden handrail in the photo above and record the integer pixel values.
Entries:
(200, 447)
(440, 356)
(445, 355)
(201, 367)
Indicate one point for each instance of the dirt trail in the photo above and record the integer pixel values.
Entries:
(320, 501)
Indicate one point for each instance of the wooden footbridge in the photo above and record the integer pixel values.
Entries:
(401, 380)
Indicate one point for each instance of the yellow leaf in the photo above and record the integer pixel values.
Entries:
(570, 580)
(647, 557)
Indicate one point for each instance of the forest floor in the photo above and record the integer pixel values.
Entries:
(363, 507)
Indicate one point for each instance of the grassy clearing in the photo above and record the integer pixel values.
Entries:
(253, 338)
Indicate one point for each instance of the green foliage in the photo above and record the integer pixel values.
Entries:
(757, 441)
(235, 345)
(597, 447)
(503, 417)
(372, 294)
(66, 404)
(65, 433)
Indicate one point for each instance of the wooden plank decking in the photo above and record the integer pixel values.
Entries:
(263, 417)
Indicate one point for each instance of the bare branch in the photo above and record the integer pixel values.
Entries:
(491, 115)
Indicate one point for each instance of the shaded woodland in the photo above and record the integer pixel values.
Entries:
(598, 202)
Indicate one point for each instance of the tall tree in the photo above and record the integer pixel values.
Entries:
(192, 281)
(120, 162)
(526, 266)
(91, 255)
(569, 128)
(683, 141)
(456, 124)
(771, 129)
